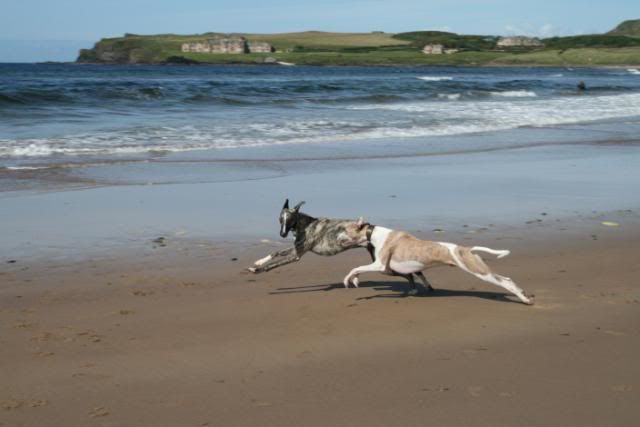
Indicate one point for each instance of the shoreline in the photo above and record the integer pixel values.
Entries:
(411, 193)
(400, 65)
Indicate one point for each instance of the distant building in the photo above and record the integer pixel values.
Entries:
(450, 51)
(259, 47)
(433, 49)
(196, 47)
(235, 45)
(517, 41)
(228, 45)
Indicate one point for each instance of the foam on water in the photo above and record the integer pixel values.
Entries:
(435, 78)
(515, 94)
(105, 113)
(421, 119)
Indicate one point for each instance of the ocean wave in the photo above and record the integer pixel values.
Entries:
(380, 98)
(515, 94)
(66, 96)
(450, 96)
(26, 168)
(403, 120)
(435, 78)
(507, 114)
(634, 71)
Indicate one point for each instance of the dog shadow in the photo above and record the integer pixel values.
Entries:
(397, 290)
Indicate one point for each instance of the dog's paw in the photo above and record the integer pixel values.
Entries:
(528, 300)
(345, 282)
(355, 281)
(263, 261)
(253, 270)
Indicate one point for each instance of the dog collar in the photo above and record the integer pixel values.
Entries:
(370, 228)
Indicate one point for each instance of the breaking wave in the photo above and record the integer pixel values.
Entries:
(418, 119)
(435, 78)
(515, 94)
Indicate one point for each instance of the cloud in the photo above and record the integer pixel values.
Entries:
(544, 31)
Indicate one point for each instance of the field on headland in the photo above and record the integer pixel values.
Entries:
(374, 48)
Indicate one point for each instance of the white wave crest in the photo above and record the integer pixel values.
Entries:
(634, 71)
(410, 119)
(26, 168)
(435, 78)
(515, 94)
(450, 96)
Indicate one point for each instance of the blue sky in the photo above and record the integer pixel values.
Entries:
(38, 30)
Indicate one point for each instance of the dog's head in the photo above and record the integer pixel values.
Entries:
(354, 234)
(288, 218)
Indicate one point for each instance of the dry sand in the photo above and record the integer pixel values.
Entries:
(185, 338)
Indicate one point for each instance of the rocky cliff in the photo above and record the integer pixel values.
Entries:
(126, 50)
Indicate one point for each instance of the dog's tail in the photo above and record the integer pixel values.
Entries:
(500, 253)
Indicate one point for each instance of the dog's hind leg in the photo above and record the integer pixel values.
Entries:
(472, 263)
(424, 280)
(413, 290)
(506, 283)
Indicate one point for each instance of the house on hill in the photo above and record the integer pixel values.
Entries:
(234, 45)
(433, 49)
(437, 49)
(259, 47)
(519, 41)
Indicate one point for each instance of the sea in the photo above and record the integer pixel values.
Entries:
(111, 124)
(96, 158)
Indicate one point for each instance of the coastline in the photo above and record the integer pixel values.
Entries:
(365, 65)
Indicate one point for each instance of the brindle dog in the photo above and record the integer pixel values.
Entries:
(318, 235)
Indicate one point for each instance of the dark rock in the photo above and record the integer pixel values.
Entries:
(181, 60)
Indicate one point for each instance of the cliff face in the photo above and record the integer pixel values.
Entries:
(120, 51)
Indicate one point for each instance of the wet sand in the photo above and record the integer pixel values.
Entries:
(180, 335)
(505, 188)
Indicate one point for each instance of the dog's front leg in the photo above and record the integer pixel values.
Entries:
(353, 274)
(291, 256)
(265, 264)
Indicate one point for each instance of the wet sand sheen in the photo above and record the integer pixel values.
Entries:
(503, 188)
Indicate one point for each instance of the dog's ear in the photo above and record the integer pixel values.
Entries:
(286, 204)
(361, 222)
(297, 207)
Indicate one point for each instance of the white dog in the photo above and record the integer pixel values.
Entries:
(406, 254)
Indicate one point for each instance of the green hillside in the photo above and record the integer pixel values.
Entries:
(627, 28)
(449, 40)
(590, 40)
(374, 48)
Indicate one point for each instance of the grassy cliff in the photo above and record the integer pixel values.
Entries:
(375, 48)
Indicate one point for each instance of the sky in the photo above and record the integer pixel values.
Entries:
(54, 30)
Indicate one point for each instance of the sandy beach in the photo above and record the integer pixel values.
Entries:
(130, 210)
(181, 335)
